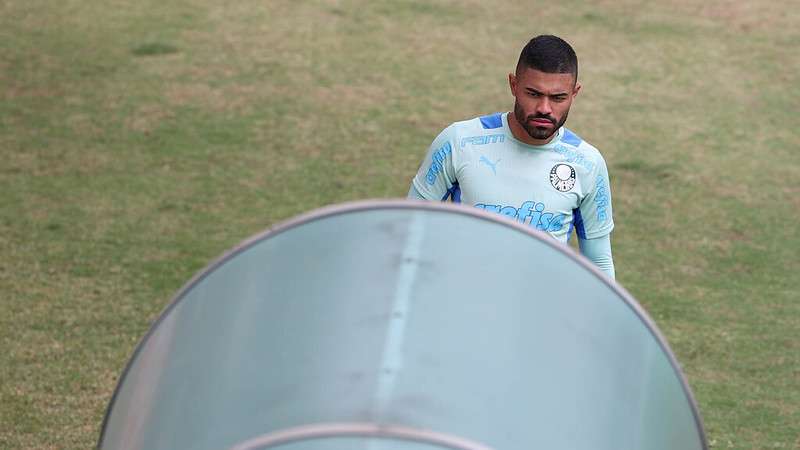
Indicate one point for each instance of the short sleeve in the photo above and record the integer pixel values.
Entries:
(436, 177)
(595, 217)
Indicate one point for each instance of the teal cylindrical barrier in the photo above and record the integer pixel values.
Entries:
(402, 325)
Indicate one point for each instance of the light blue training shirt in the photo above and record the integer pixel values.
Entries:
(554, 188)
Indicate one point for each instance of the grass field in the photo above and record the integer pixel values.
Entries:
(140, 140)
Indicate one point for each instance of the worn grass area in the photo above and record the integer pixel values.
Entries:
(139, 140)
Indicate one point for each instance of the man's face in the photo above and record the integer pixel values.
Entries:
(542, 101)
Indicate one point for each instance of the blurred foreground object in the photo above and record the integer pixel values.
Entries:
(388, 325)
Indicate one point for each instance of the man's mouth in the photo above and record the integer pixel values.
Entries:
(541, 122)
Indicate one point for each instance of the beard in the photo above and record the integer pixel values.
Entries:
(534, 131)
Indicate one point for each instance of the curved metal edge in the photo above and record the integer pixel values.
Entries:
(373, 204)
(326, 430)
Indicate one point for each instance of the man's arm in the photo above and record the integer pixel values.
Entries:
(436, 177)
(414, 194)
(594, 221)
(598, 251)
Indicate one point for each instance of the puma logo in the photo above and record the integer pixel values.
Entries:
(492, 165)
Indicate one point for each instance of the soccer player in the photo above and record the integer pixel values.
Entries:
(525, 164)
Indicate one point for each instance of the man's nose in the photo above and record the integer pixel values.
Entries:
(544, 107)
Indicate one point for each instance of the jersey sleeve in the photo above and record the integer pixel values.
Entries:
(595, 213)
(598, 251)
(436, 177)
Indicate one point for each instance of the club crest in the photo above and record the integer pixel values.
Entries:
(562, 177)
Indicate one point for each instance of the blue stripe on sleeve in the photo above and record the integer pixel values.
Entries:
(453, 194)
(578, 220)
(571, 138)
(457, 193)
(492, 121)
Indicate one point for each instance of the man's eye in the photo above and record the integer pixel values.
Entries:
(559, 98)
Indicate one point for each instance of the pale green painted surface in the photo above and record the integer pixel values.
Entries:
(420, 318)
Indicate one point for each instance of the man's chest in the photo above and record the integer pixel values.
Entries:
(539, 189)
(498, 176)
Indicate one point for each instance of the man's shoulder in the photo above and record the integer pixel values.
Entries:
(578, 150)
(478, 130)
(487, 124)
(571, 139)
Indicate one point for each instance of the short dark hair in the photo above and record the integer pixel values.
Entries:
(549, 54)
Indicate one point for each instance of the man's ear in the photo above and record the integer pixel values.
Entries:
(512, 83)
(576, 89)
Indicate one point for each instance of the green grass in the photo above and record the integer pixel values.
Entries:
(140, 140)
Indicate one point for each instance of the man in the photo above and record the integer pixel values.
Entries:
(525, 164)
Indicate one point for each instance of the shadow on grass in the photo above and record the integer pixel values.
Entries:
(154, 49)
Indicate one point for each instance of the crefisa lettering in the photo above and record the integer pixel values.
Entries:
(601, 199)
(437, 159)
(575, 157)
(530, 213)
